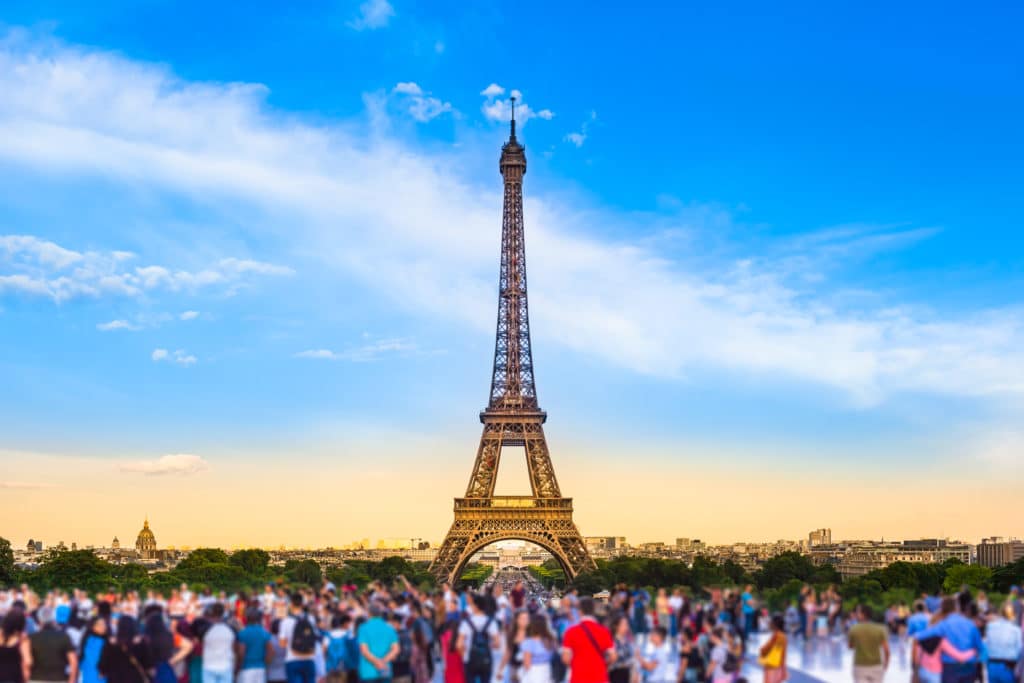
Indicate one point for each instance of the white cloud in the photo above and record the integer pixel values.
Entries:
(579, 137)
(496, 109)
(439, 47)
(408, 88)
(181, 464)
(373, 14)
(363, 354)
(180, 357)
(626, 301)
(42, 268)
(188, 315)
(421, 105)
(116, 325)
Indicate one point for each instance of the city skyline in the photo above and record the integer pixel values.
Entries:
(250, 292)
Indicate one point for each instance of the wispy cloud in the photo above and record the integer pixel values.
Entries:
(362, 354)
(37, 267)
(421, 105)
(579, 137)
(618, 299)
(373, 14)
(179, 357)
(181, 464)
(188, 315)
(497, 108)
(117, 325)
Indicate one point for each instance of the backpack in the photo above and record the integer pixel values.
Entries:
(404, 646)
(731, 663)
(479, 662)
(303, 637)
(336, 651)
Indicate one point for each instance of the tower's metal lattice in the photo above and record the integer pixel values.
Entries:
(512, 418)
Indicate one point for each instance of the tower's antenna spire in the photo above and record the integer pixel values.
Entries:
(513, 117)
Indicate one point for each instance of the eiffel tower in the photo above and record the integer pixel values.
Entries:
(512, 418)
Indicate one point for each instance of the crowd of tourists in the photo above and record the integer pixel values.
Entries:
(340, 634)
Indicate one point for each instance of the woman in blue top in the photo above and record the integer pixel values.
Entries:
(1003, 645)
(91, 649)
(538, 651)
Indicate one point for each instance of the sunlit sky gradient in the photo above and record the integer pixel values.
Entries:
(248, 266)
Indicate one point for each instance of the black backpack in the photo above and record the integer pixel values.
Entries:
(479, 662)
(303, 637)
(731, 663)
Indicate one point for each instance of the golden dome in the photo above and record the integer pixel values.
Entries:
(145, 541)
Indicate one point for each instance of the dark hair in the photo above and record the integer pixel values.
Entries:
(480, 601)
(866, 611)
(661, 631)
(253, 616)
(778, 623)
(161, 641)
(587, 605)
(13, 623)
(127, 629)
(275, 626)
(948, 606)
(538, 628)
(297, 599)
(217, 610)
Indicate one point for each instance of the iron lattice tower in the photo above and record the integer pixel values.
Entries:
(512, 418)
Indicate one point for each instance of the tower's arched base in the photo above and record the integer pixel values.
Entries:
(480, 522)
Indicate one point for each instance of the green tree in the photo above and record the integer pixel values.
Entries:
(6, 563)
(972, 575)
(1008, 575)
(130, 577)
(67, 569)
(253, 561)
(785, 567)
(304, 571)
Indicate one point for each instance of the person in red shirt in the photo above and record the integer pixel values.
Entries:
(587, 647)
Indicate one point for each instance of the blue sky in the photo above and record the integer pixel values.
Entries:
(787, 241)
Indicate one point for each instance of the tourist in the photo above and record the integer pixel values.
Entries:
(539, 651)
(163, 656)
(378, 646)
(479, 635)
(422, 634)
(15, 649)
(773, 653)
(870, 644)
(255, 651)
(53, 655)
(512, 657)
(625, 662)
(335, 647)
(963, 635)
(691, 663)
(657, 658)
(451, 658)
(588, 647)
(90, 650)
(276, 672)
(124, 658)
(724, 659)
(297, 635)
(401, 666)
(748, 606)
(1003, 646)
(218, 647)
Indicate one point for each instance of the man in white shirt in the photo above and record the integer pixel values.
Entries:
(299, 659)
(218, 648)
(657, 659)
(478, 622)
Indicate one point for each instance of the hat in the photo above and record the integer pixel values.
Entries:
(62, 615)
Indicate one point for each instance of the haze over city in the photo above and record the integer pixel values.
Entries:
(253, 270)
